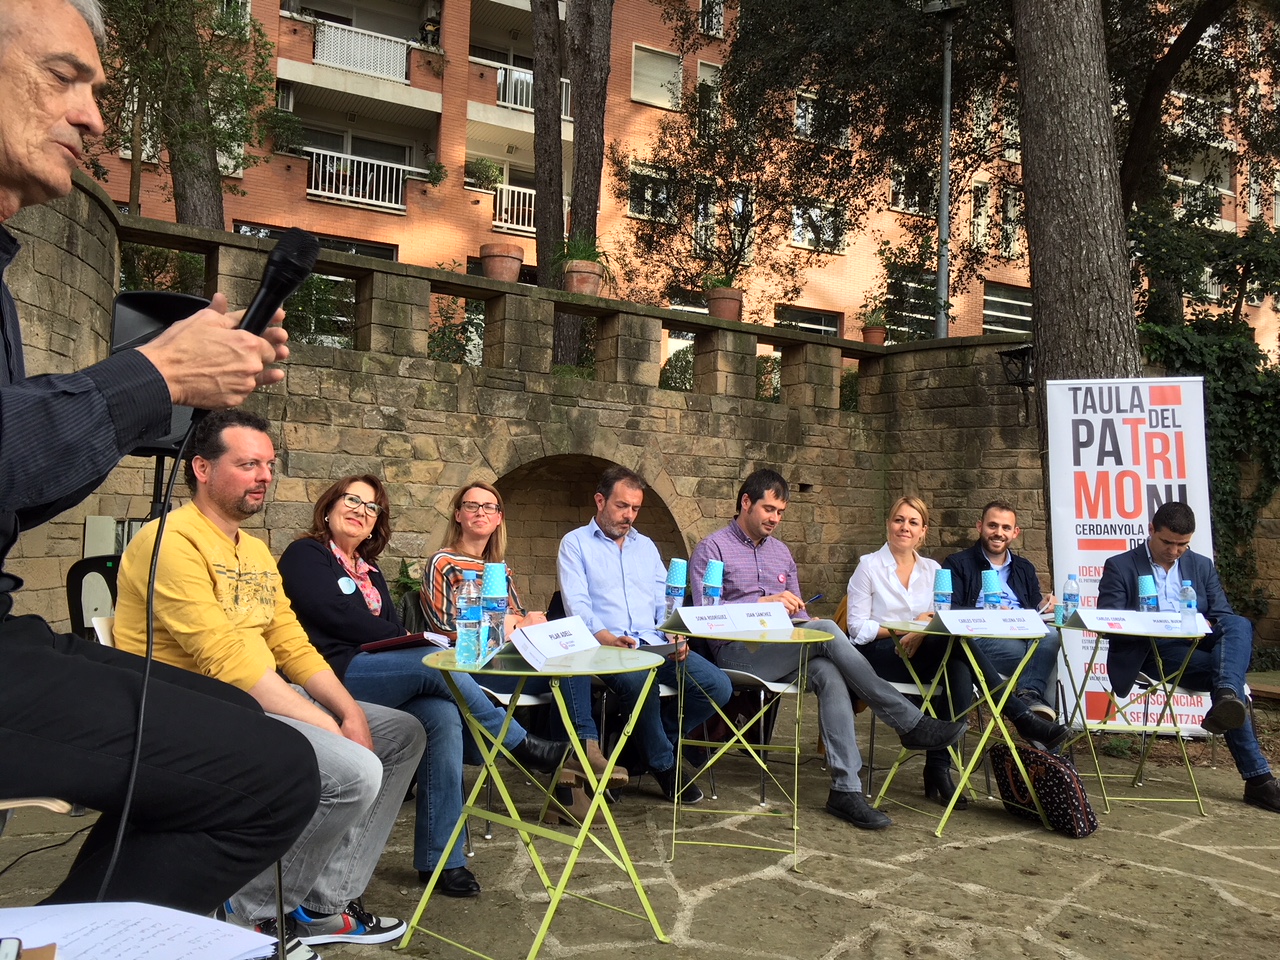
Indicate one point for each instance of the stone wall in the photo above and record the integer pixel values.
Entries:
(937, 419)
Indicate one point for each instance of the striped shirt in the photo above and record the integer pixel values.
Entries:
(441, 581)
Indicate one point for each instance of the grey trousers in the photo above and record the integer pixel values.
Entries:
(361, 791)
(838, 672)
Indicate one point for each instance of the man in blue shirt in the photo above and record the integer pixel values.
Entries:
(613, 578)
(1020, 590)
(1219, 661)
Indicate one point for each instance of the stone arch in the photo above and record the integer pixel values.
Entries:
(548, 497)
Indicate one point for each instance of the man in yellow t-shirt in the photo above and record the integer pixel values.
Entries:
(220, 611)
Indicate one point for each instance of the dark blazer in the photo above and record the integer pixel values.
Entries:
(336, 622)
(1118, 590)
(966, 578)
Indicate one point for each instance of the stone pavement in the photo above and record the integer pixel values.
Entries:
(1156, 880)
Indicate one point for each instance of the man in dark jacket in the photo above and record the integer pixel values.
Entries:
(1020, 589)
(1220, 660)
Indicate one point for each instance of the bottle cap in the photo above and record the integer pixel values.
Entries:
(991, 581)
(678, 573)
(1146, 586)
(495, 580)
(942, 580)
(468, 574)
(1186, 583)
(714, 577)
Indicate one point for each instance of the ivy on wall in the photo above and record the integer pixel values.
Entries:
(1242, 426)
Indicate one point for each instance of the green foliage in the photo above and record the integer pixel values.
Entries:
(904, 302)
(769, 378)
(283, 129)
(849, 390)
(406, 581)
(457, 330)
(677, 371)
(1118, 745)
(717, 281)
(322, 312)
(1242, 427)
(581, 246)
(568, 371)
(436, 173)
(154, 268)
(483, 173)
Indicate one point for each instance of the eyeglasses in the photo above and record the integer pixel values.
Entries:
(355, 503)
(488, 509)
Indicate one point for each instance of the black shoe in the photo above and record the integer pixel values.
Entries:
(666, 779)
(939, 787)
(854, 808)
(1037, 705)
(1227, 713)
(933, 734)
(1264, 795)
(538, 755)
(454, 882)
(1037, 730)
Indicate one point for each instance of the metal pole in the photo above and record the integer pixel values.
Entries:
(944, 185)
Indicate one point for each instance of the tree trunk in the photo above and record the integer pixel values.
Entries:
(187, 128)
(136, 145)
(588, 34)
(1082, 320)
(548, 151)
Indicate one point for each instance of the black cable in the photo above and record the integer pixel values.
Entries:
(48, 846)
(146, 669)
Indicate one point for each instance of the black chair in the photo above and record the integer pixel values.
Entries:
(106, 567)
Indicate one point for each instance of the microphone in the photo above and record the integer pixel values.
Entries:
(290, 263)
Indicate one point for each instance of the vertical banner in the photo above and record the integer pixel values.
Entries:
(1118, 449)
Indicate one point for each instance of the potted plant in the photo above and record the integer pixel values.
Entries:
(873, 322)
(501, 261)
(583, 266)
(724, 300)
(482, 173)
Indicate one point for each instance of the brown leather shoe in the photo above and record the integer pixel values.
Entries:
(574, 799)
(572, 771)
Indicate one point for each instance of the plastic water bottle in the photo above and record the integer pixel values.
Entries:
(941, 590)
(493, 603)
(468, 621)
(1148, 599)
(677, 577)
(992, 591)
(1070, 596)
(713, 583)
(1187, 603)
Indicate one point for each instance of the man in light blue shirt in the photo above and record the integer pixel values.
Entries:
(613, 578)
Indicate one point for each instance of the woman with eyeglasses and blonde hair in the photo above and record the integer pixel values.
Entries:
(476, 536)
(331, 577)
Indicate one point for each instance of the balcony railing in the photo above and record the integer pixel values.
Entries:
(371, 183)
(513, 209)
(515, 88)
(361, 51)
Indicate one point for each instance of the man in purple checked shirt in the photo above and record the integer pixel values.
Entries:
(759, 568)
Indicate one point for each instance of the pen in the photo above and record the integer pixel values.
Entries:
(1044, 607)
(816, 597)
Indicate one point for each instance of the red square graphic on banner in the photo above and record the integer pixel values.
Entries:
(1098, 706)
(1169, 395)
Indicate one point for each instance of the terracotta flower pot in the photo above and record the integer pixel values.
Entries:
(873, 336)
(501, 261)
(724, 303)
(583, 276)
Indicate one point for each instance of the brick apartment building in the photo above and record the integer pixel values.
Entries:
(386, 89)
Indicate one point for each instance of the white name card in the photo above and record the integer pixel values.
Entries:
(542, 643)
(1132, 622)
(992, 623)
(730, 618)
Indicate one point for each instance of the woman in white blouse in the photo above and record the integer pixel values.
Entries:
(896, 583)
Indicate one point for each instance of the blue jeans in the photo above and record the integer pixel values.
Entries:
(399, 678)
(1221, 660)
(1006, 654)
(657, 726)
(577, 698)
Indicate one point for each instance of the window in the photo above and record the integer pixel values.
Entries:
(383, 251)
(1205, 188)
(1006, 309)
(1255, 193)
(820, 119)
(911, 305)
(713, 213)
(980, 221)
(818, 227)
(708, 98)
(711, 18)
(649, 194)
(655, 78)
(825, 323)
(1010, 134)
(913, 191)
(1010, 224)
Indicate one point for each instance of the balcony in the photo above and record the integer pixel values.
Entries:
(515, 88)
(513, 209)
(358, 180)
(360, 51)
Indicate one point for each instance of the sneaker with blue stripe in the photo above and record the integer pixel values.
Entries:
(353, 925)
